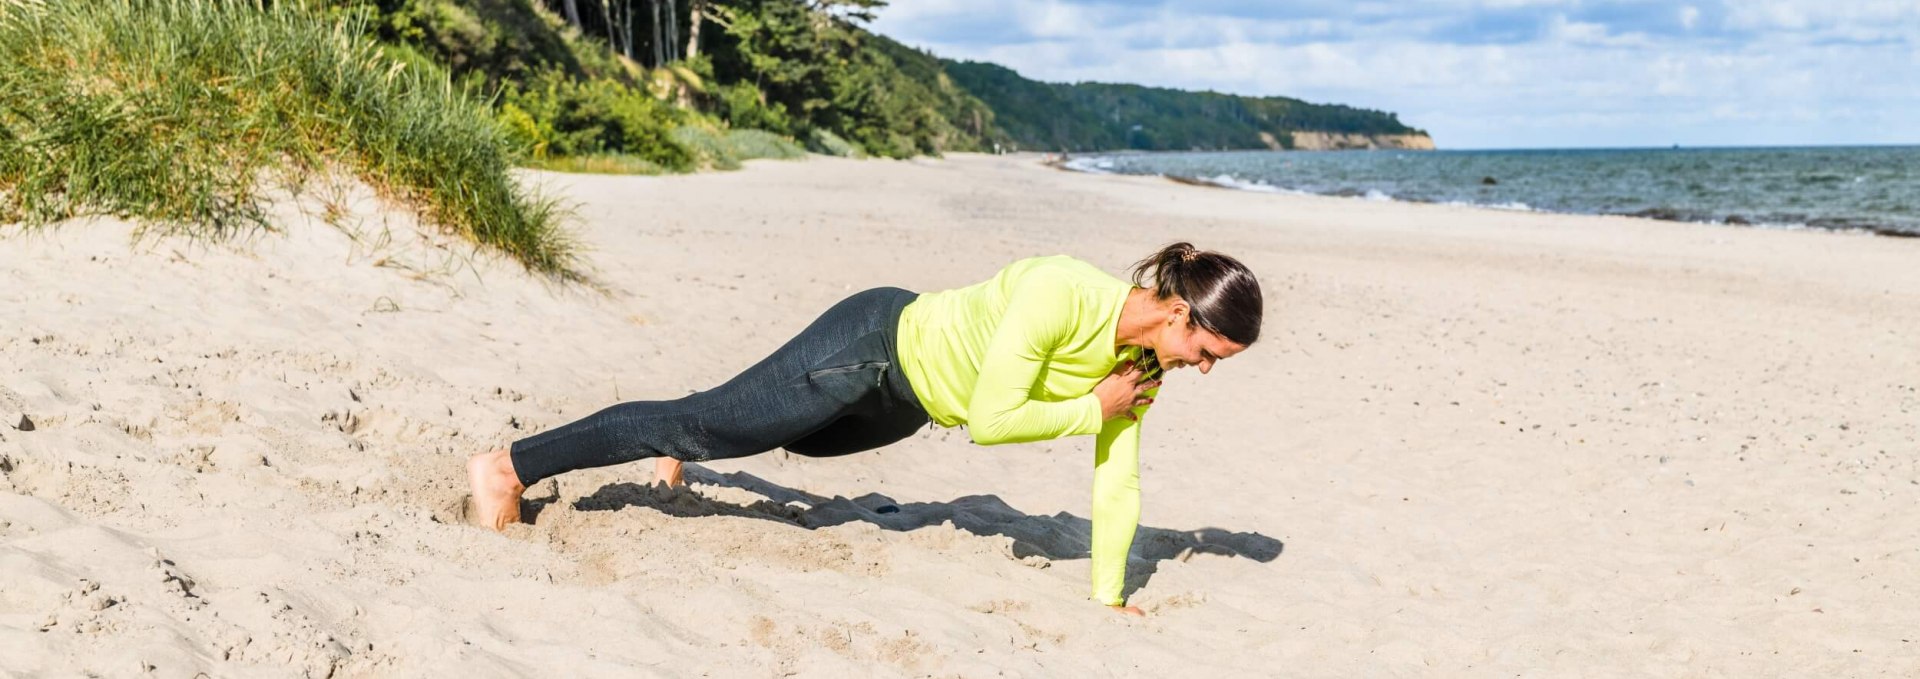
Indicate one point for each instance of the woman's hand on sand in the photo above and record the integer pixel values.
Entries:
(1123, 390)
(1124, 609)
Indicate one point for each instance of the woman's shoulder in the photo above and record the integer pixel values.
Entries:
(1063, 269)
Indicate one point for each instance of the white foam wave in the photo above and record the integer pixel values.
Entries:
(1093, 165)
(1232, 182)
(1515, 206)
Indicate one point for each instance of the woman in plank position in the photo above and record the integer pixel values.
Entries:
(1048, 347)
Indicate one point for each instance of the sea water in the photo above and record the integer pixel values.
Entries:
(1854, 189)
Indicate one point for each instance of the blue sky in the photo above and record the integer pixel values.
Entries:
(1485, 73)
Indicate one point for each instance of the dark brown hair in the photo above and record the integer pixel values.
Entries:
(1223, 294)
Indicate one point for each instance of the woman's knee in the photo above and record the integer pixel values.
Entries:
(824, 447)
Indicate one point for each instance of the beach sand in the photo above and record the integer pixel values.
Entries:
(1470, 443)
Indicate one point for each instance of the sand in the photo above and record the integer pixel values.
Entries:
(1470, 443)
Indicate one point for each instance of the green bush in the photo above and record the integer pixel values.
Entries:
(755, 144)
(174, 111)
(555, 115)
(709, 147)
(743, 106)
(531, 136)
(826, 142)
(725, 150)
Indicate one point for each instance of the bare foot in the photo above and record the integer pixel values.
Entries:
(496, 489)
(667, 470)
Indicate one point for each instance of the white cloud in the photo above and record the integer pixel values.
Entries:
(1548, 73)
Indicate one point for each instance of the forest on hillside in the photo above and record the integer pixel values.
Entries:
(1101, 116)
(571, 74)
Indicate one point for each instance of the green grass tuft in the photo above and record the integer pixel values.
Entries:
(596, 164)
(183, 113)
(752, 144)
(708, 146)
(726, 149)
(826, 142)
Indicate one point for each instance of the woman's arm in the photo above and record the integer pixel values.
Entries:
(1039, 317)
(1116, 503)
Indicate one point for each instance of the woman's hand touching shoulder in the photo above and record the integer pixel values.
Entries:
(1125, 389)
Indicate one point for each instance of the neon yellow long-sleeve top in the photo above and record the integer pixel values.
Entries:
(1015, 358)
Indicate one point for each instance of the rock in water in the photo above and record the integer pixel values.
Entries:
(1488, 181)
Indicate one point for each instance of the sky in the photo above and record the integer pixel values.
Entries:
(1485, 73)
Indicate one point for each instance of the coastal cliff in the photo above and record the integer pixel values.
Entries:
(1304, 140)
(1089, 116)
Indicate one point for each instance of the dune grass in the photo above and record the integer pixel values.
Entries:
(726, 149)
(755, 144)
(184, 114)
(596, 164)
(707, 149)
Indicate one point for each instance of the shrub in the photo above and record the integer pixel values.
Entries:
(743, 106)
(755, 144)
(826, 142)
(555, 115)
(708, 146)
(175, 111)
(724, 150)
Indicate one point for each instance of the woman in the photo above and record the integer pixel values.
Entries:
(1048, 347)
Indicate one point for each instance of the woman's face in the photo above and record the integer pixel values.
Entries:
(1181, 344)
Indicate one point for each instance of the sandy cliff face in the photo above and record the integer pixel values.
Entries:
(1335, 141)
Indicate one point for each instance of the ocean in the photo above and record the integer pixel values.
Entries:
(1874, 189)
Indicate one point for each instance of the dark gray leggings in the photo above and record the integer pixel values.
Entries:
(834, 389)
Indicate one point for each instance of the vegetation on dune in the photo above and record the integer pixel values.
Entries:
(188, 113)
(601, 78)
(553, 116)
(174, 111)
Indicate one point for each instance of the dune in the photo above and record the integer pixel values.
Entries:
(1470, 443)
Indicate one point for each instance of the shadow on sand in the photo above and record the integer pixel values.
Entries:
(1057, 537)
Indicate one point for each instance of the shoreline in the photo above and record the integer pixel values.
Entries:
(1230, 182)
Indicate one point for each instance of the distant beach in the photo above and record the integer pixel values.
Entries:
(1873, 189)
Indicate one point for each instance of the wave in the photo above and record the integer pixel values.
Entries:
(1225, 180)
(1788, 222)
(1512, 205)
(1090, 165)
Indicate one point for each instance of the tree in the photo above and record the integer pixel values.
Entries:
(606, 12)
(673, 32)
(696, 10)
(659, 43)
(859, 10)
